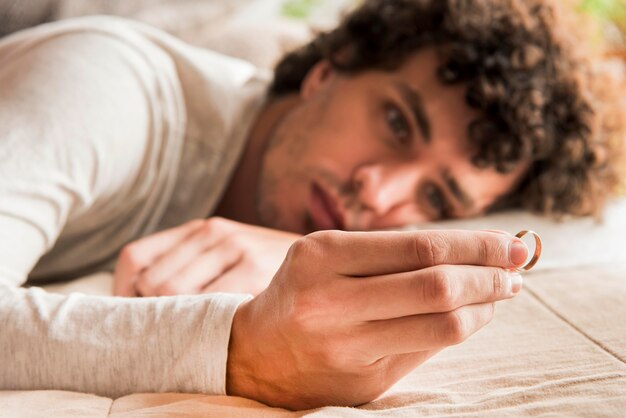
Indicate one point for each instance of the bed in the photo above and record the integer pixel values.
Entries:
(558, 349)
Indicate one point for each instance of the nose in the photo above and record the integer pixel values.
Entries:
(382, 188)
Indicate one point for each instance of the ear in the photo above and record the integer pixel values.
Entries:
(318, 77)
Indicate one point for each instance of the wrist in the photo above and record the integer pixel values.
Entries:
(239, 373)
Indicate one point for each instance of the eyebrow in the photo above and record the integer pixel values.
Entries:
(457, 191)
(416, 104)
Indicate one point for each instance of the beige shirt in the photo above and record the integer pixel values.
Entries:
(111, 130)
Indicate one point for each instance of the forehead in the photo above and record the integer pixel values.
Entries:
(419, 68)
(420, 65)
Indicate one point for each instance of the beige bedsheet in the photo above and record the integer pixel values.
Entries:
(559, 349)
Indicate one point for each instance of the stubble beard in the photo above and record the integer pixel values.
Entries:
(289, 146)
(274, 180)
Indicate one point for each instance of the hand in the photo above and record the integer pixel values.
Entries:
(350, 313)
(212, 255)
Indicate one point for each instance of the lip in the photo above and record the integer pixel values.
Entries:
(324, 209)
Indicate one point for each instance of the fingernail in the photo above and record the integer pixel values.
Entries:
(516, 281)
(518, 252)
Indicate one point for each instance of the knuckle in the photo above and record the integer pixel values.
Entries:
(209, 226)
(484, 249)
(431, 248)
(440, 289)
(218, 220)
(300, 246)
(455, 328)
(501, 253)
(301, 265)
(423, 250)
(493, 250)
(305, 247)
(130, 256)
(215, 223)
(326, 238)
(169, 289)
(498, 280)
(236, 242)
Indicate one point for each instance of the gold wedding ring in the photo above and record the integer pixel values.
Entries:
(537, 253)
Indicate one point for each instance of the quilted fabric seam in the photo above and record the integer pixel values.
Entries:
(574, 327)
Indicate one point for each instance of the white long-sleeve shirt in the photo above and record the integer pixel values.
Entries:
(111, 130)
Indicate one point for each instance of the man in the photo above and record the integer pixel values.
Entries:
(409, 111)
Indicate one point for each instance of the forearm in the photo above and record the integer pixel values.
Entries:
(114, 346)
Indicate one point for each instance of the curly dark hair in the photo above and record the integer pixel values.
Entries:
(541, 96)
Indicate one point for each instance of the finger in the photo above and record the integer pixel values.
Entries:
(384, 252)
(146, 250)
(165, 268)
(424, 332)
(123, 280)
(233, 281)
(431, 290)
(136, 256)
(206, 268)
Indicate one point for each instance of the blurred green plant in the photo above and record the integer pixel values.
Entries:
(305, 9)
(299, 9)
(606, 10)
(610, 16)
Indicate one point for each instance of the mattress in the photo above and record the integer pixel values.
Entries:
(557, 349)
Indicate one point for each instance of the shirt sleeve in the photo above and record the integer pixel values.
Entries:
(63, 98)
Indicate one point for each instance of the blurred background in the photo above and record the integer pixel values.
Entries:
(203, 22)
(258, 30)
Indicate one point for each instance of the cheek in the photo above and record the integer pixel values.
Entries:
(349, 124)
(281, 195)
(341, 146)
(329, 138)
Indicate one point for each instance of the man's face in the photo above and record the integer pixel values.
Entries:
(375, 150)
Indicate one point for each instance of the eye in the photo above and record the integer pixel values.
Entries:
(398, 124)
(437, 200)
